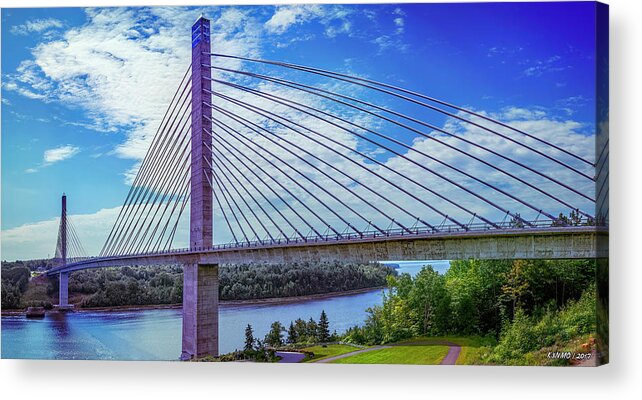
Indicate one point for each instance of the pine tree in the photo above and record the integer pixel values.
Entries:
(274, 337)
(311, 331)
(323, 329)
(293, 337)
(249, 338)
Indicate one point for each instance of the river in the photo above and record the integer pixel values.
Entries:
(156, 334)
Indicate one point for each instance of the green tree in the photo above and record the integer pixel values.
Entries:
(293, 336)
(249, 338)
(312, 330)
(516, 285)
(430, 298)
(301, 328)
(274, 337)
(323, 329)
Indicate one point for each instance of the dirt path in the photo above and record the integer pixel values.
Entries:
(330, 359)
(453, 354)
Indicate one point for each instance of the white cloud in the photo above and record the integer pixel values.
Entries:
(59, 154)
(122, 69)
(333, 17)
(343, 27)
(52, 156)
(36, 26)
(399, 20)
(286, 16)
(387, 42)
(540, 67)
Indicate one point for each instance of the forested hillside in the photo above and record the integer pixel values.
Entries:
(523, 306)
(164, 285)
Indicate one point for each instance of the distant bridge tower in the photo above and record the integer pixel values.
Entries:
(200, 281)
(63, 293)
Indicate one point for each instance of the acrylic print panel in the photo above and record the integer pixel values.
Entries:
(392, 183)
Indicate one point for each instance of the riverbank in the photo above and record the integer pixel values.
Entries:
(233, 303)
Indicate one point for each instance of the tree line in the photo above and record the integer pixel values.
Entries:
(151, 285)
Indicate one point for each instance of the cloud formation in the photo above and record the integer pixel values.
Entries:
(59, 154)
(36, 26)
(55, 155)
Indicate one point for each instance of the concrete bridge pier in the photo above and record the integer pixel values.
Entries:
(200, 280)
(63, 290)
(200, 311)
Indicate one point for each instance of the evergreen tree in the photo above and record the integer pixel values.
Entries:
(249, 338)
(293, 336)
(311, 331)
(301, 329)
(274, 337)
(323, 329)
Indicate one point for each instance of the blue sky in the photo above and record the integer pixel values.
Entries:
(83, 89)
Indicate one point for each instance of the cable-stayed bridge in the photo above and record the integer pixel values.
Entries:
(265, 167)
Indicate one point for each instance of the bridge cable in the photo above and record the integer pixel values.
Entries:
(175, 197)
(168, 162)
(148, 179)
(169, 111)
(239, 195)
(184, 195)
(430, 157)
(316, 168)
(148, 185)
(170, 237)
(152, 179)
(264, 95)
(221, 165)
(179, 176)
(357, 81)
(228, 129)
(365, 156)
(229, 206)
(315, 184)
(225, 161)
(250, 108)
(269, 97)
(315, 90)
(269, 187)
(168, 185)
(227, 221)
(237, 118)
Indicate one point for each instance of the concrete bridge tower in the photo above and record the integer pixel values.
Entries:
(63, 292)
(200, 281)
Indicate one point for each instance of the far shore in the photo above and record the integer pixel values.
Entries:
(251, 302)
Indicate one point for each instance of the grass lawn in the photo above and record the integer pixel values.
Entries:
(329, 351)
(399, 354)
(471, 347)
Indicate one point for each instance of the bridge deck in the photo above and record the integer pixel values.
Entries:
(522, 243)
